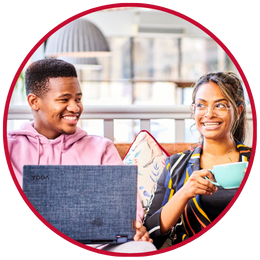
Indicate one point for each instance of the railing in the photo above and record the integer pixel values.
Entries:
(145, 113)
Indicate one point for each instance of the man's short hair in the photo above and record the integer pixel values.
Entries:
(39, 72)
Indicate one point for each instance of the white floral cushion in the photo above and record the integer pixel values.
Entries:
(150, 157)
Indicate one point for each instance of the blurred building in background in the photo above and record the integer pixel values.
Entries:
(155, 58)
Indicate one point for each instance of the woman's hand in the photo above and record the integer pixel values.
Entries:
(141, 233)
(197, 184)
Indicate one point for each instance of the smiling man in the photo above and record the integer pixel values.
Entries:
(59, 110)
(54, 95)
(53, 138)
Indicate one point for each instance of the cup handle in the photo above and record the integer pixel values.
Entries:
(213, 182)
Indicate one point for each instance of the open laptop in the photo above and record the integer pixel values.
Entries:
(90, 204)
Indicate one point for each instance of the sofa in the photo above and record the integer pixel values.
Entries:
(171, 148)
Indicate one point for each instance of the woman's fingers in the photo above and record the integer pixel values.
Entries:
(205, 190)
(197, 184)
(204, 173)
(198, 177)
(210, 175)
(202, 189)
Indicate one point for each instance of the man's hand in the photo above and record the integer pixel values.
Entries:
(141, 233)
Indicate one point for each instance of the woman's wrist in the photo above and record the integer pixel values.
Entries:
(172, 211)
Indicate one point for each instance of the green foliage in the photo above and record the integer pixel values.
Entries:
(21, 82)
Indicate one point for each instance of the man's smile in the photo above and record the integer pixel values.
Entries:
(72, 119)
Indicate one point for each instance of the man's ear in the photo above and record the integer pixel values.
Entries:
(33, 101)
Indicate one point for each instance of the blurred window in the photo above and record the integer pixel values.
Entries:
(145, 71)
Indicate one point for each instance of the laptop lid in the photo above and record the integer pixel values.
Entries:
(90, 204)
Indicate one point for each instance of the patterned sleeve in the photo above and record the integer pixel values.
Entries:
(158, 200)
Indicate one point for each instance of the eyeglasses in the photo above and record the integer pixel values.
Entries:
(200, 109)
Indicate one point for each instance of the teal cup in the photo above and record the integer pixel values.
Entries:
(229, 175)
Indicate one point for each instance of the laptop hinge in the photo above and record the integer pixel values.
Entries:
(121, 239)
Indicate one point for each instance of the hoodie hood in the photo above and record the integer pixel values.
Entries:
(36, 140)
(29, 131)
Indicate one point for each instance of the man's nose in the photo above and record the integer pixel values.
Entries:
(73, 107)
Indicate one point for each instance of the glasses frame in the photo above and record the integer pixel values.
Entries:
(192, 108)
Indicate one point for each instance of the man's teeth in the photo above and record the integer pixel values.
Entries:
(70, 118)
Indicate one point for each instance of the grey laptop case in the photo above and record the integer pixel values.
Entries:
(90, 204)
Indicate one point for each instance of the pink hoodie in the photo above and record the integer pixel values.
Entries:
(27, 146)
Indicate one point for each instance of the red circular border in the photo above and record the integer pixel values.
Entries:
(141, 5)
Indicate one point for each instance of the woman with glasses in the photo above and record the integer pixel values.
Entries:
(185, 202)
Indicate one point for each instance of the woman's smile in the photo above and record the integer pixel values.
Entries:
(211, 125)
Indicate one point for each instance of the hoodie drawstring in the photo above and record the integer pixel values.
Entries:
(61, 146)
(38, 149)
(60, 151)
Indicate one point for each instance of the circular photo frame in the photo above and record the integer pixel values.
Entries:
(125, 4)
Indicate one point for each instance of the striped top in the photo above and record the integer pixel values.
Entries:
(194, 218)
